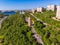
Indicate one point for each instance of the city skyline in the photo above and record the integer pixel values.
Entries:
(25, 4)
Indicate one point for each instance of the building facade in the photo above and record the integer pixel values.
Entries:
(40, 9)
(58, 12)
(51, 7)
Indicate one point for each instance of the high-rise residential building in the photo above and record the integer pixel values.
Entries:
(40, 9)
(33, 10)
(29, 21)
(58, 12)
(51, 7)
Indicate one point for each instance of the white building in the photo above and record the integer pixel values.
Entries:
(40, 9)
(33, 10)
(51, 7)
(58, 12)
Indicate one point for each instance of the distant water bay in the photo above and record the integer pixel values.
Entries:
(9, 13)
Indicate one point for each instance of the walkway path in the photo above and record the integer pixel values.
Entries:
(39, 20)
(2, 20)
(36, 35)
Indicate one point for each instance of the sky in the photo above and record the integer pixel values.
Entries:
(25, 4)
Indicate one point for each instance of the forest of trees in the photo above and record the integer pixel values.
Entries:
(15, 31)
(50, 33)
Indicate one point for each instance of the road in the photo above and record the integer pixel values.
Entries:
(2, 20)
